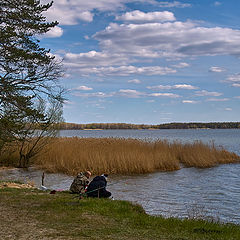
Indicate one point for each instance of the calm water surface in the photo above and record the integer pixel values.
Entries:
(213, 192)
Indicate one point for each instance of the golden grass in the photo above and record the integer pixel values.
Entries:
(128, 156)
(121, 156)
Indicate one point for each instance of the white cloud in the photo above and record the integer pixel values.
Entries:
(121, 70)
(217, 69)
(70, 12)
(53, 33)
(170, 39)
(138, 16)
(86, 16)
(92, 61)
(160, 87)
(206, 93)
(130, 93)
(177, 86)
(122, 45)
(136, 81)
(217, 99)
(184, 86)
(181, 65)
(128, 70)
(234, 80)
(93, 58)
(190, 101)
(83, 88)
(228, 109)
(170, 95)
(174, 4)
(96, 94)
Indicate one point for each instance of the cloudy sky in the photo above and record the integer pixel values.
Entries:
(148, 61)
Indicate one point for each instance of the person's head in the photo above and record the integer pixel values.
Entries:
(88, 174)
(105, 175)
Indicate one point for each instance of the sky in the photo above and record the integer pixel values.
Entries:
(147, 62)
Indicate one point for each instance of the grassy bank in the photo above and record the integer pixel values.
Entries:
(125, 156)
(32, 214)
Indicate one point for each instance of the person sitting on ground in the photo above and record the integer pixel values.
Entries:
(97, 187)
(80, 182)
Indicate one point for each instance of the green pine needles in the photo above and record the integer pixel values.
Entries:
(28, 73)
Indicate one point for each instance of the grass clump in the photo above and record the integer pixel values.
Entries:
(129, 156)
(125, 156)
(32, 214)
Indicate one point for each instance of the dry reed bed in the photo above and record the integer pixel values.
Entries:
(128, 156)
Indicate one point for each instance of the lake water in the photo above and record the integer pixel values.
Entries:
(188, 192)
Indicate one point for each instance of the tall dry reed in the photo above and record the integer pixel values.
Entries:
(128, 156)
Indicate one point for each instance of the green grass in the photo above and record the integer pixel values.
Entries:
(33, 214)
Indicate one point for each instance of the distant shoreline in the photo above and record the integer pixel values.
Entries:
(91, 129)
(148, 129)
(129, 126)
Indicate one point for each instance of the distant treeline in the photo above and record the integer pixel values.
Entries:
(212, 125)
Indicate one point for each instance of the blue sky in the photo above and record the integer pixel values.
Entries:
(149, 61)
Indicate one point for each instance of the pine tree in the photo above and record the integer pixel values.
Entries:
(28, 73)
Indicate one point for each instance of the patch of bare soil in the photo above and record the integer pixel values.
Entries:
(6, 168)
(15, 185)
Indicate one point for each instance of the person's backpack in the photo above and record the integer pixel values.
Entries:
(79, 184)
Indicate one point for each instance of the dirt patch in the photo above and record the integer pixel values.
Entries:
(6, 168)
(15, 185)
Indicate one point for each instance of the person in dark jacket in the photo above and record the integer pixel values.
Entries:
(97, 187)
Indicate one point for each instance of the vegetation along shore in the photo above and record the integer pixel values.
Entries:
(120, 156)
(176, 125)
(33, 214)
